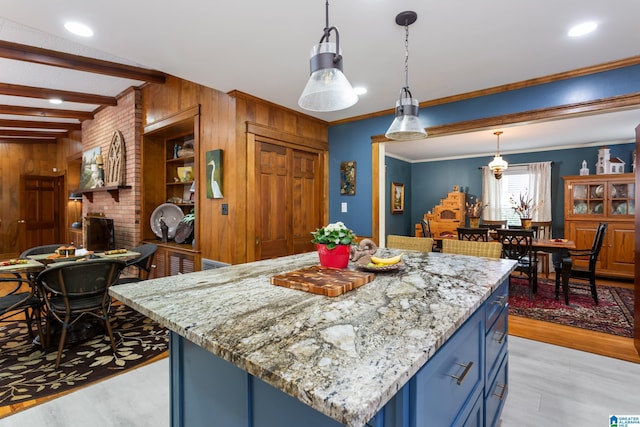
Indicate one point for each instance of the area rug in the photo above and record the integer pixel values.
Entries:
(612, 315)
(27, 372)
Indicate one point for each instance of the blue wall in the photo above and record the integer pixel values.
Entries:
(431, 181)
(352, 141)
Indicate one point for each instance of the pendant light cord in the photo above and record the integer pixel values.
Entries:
(406, 56)
(327, 33)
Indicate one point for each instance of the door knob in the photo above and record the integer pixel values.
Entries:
(21, 221)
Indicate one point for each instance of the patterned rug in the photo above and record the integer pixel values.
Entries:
(26, 372)
(612, 315)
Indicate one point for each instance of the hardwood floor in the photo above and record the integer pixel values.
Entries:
(564, 336)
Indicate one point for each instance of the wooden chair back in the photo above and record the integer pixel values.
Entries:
(473, 234)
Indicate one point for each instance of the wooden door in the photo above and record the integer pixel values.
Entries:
(288, 205)
(41, 218)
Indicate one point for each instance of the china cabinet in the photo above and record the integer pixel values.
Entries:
(169, 168)
(591, 199)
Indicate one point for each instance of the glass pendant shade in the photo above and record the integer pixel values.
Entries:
(328, 88)
(406, 126)
(498, 164)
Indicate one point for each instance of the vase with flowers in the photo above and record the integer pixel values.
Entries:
(524, 206)
(474, 211)
(334, 244)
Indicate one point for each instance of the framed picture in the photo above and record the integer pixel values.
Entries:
(89, 170)
(348, 178)
(397, 198)
(213, 161)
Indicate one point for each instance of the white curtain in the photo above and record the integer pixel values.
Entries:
(491, 195)
(540, 189)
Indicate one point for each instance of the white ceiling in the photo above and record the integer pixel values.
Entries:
(262, 48)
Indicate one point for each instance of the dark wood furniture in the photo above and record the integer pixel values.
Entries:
(571, 270)
(473, 234)
(517, 245)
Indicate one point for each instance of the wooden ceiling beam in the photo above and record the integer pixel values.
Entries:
(46, 112)
(45, 93)
(33, 124)
(10, 140)
(32, 133)
(20, 52)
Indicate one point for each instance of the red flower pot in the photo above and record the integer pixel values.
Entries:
(337, 257)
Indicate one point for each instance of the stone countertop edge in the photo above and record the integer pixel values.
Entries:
(344, 356)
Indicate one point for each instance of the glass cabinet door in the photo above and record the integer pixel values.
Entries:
(588, 199)
(622, 199)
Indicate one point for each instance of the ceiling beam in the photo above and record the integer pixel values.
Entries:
(45, 93)
(20, 52)
(27, 140)
(32, 133)
(29, 124)
(46, 112)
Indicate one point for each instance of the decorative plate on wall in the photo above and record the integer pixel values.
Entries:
(172, 216)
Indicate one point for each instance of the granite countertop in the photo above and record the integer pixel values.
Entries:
(345, 356)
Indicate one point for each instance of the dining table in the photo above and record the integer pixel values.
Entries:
(34, 264)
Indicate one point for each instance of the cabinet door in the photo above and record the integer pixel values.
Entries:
(582, 233)
(621, 247)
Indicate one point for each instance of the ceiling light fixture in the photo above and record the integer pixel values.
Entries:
(78, 29)
(498, 164)
(406, 124)
(582, 29)
(328, 88)
(55, 101)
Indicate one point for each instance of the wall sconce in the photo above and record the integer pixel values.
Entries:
(327, 88)
(498, 164)
(76, 197)
(406, 124)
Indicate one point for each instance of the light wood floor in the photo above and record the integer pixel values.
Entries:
(565, 336)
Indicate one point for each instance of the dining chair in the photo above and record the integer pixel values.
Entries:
(38, 250)
(517, 245)
(143, 263)
(426, 228)
(473, 234)
(544, 232)
(19, 295)
(570, 270)
(424, 244)
(473, 248)
(493, 224)
(74, 290)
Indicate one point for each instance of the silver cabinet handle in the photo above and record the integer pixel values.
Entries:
(501, 336)
(460, 378)
(503, 390)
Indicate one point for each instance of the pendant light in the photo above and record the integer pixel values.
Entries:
(406, 126)
(498, 164)
(328, 88)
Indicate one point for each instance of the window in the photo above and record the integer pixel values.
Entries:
(533, 178)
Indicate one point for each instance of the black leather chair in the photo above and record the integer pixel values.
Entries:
(517, 245)
(19, 295)
(74, 290)
(144, 263)
(473, 234)
(570, 270)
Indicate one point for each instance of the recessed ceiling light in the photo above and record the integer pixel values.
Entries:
(360, 90)
(78, 29)
(582, 29)
(55, 101)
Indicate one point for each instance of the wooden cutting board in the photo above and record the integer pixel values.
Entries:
(323, 280)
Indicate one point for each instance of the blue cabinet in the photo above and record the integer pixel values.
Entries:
(463, 384)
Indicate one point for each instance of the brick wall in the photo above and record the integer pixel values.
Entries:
(126, 117)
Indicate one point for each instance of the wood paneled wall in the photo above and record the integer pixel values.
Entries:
(223, 125)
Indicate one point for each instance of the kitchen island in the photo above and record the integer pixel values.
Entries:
(425, 342)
